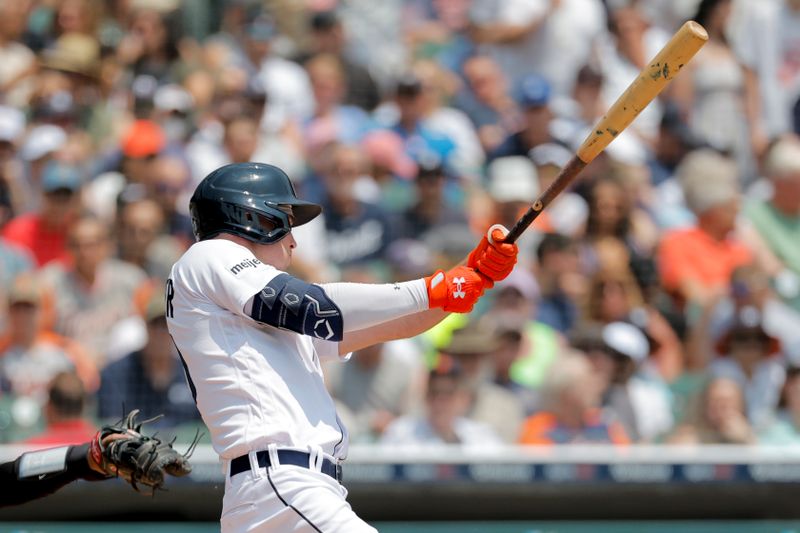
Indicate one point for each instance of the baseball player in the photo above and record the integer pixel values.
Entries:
(251, 338)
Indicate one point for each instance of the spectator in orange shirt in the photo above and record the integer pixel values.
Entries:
(44, 233)
(572, 415)
(64, 413)
(696, 263)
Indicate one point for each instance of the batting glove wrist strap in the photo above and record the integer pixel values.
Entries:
(456, 290)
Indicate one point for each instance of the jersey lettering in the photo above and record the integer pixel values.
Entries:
(170, 294)
(289, 303)
(247, 263)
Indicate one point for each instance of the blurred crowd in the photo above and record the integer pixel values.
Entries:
(657, 300)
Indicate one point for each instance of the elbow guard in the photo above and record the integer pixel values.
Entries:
(289, 303)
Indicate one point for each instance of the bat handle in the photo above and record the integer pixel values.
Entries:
(563, 179)
(522, 224)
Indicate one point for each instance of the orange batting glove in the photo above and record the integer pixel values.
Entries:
(456, 290)
(492, 257)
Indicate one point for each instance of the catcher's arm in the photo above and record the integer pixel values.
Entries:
(39, 473)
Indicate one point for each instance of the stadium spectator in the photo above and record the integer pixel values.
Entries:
(392, 169)
(637, 397)
(771, 25)
(150, 47)
(94, 292)
(355, 231)
(17, 61)
(142, 241)
(571, 411)
(44, 232)
(30, 354)
(151, 378)
(439, 117)
(776, 221)
(169, 183)
(413, 105)
(616, 295)
(328, 36)
(42, 144)
(561, 282)
(443, 421)
(471, 347)
(140, 144)
(534, 99)
(718, 419)
(720, 95)
(488, 102)
(751, 357)
(329, 86)
(523, 36)
(696, 263)
(512, 309)
(64, 414)
(510, 347)
(286, 83)
(384, 382)
(432, 207)
(784, 428)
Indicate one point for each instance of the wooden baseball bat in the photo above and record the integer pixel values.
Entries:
(651, 80)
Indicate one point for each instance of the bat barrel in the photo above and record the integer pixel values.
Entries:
(652, 79)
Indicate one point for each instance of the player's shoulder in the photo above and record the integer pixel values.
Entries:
(217, 255)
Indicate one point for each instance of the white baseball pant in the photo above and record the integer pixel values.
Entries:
(287, 498)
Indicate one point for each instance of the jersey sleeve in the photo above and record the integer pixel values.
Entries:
(229, 276)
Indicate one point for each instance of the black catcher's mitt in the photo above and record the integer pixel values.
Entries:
(121, 450)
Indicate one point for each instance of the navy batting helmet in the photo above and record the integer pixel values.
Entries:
(251, 200)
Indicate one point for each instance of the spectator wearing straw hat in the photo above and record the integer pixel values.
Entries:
(472, 347)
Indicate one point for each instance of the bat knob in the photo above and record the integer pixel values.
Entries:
(494, 227)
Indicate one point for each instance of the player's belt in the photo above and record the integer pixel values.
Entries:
(286, 457)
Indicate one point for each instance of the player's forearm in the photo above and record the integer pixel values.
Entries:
(17, 487)
(365, 305)
(399, 328)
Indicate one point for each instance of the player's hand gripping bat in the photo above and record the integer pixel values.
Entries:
(650, 82)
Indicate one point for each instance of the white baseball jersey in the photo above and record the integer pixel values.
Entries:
(254, 384)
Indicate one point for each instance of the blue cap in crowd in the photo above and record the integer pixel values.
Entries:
(261, 30)
(59, 176)
(534, 91)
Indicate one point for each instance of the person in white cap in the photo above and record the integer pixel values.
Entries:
(619, 351)
(513, 186)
